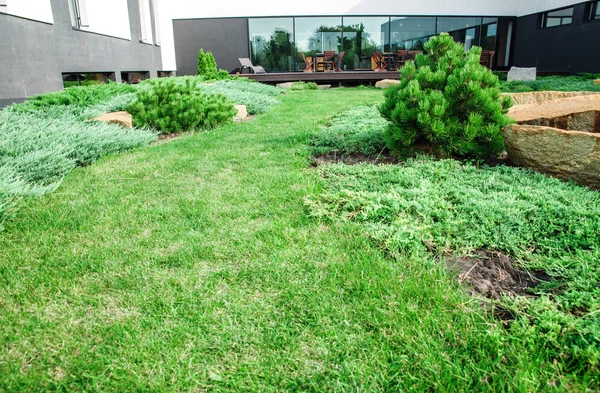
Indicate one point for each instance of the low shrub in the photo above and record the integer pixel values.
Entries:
(443, 206)
(359, 130)
(170, 106)
(305, 86)
(81, 96)
(583, 82)
(257, 97)
(448, 100)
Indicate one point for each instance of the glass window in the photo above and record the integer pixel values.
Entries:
(272, 43)
(557, 18)
(363, 36)
(315, 35)
(595, 11)
(489, 28)
(410, 33)
(465, 30)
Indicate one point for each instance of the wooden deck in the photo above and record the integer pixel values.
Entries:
(339, 78)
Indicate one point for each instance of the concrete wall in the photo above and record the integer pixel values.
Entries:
(34, 55)
(571, 48)
(226, 38)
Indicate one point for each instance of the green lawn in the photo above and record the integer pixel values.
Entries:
(193, 265)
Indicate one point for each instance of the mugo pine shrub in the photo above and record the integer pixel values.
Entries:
(447, 100)
(169, 106)
(207, 67)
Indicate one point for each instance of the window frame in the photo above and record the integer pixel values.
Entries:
(543, 20)
(593, 11)
(79, 19)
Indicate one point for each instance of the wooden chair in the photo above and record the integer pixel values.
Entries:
(310, 65)
(328, 61)
(338, 62)
(380, 62)
(402, 56)
(487, 57)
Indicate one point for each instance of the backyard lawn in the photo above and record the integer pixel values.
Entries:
(216, 262)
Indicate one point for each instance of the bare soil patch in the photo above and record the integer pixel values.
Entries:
(492, 274)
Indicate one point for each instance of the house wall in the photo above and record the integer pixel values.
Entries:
(34, 55)
(571, 48)
(226, 38)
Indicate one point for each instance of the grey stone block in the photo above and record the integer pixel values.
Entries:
(522, 74)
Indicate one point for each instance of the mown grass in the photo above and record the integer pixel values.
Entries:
(193, 266)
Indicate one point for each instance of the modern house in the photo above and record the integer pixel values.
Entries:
(556, 36)
(48, 44)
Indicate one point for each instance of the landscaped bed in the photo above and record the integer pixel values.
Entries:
(220, 261)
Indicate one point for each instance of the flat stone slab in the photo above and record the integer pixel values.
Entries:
(385, 83)
(555, 107)
(538, 97)
(242, 113)
(323, 86)
(121, 118)
(521, 74)
(286, 85)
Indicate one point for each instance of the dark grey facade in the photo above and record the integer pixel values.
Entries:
(226, 38)
(34, 55)
(571, 48)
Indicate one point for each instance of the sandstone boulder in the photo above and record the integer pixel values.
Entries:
(383, 84)
(121, 118)
(597, 81)
(565, 154)
(521, 74)
(538, 97)
(242, 113)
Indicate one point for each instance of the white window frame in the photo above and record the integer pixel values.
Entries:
(79, 15)
(145, 17)
(156, 22)
(3, 4)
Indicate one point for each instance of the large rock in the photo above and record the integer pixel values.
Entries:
(538, 97)
(286, 85)
(242, 113)
(383, 84)
(521, 74)
(597, 81)
(565, 154)
(560, 105)
(121, 118)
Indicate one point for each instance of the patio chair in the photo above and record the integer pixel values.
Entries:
(380, 62)
(338, 62)
(252, 69)
(402, 56)
(310, 65)
(487, 56)
(328, 61)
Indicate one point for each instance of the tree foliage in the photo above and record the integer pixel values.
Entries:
(448, 100)
(207, 67)
(170, 106)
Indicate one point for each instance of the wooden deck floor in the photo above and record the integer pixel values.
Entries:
(339, 78)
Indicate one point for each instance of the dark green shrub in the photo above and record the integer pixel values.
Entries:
(207, 67)
(447, 100)
(169, 106)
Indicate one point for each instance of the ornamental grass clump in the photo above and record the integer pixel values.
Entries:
(446, 99)
(169, 106)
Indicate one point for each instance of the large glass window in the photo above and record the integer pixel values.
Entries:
(272, 43)
(489, 30)
(465, 30)
(411, 33)
(594, 10)
(315, 35)
(363, 36)
(557, 18)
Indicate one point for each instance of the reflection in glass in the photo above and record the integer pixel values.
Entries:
(411, 33)
(272, 43)
(316, 35)
(558, 18)
(489, 30)
(465, 30)
(363, 36)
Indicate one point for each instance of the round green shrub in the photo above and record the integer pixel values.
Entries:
(171, 106)
(446, 99)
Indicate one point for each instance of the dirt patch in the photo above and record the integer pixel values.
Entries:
(352, 159)
(492, 274)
